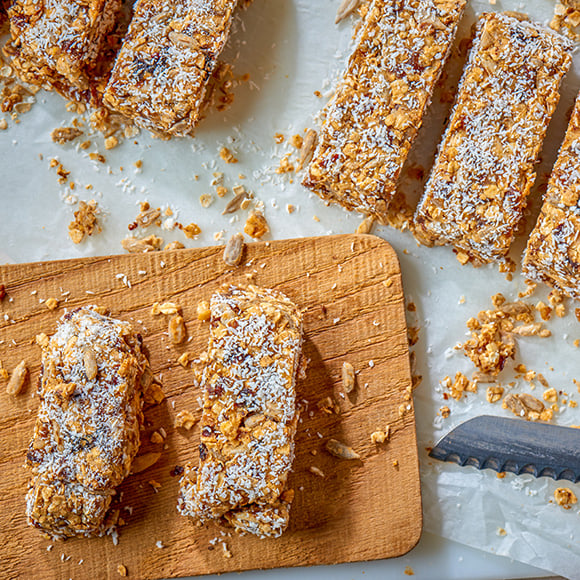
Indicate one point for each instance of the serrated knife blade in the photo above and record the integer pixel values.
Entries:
(514, 445)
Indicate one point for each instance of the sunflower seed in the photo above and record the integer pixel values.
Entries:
(346, 8)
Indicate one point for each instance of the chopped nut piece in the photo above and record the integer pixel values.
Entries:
(85, 222)
(183, 360)
(90, 364)
(340, 450)
(185, 419)
(135, 245)
(156, 438)
(543, 381)
(460, 385)
(348, 377)
(445, 411)
(203, 310)
(122, 570)
(366, 226)
(328, 405)
(111, 142)
(494, 394)
(227, 155)
(17, 379)
(380, 436)
(234, 249)
(177, 330)
(153, 395)
(174, 246)
(51, 303)
(205, 200)
(551, 396)
(256, 225)
(63, 135)
(166, 308)
(191, 230)
(145, 461)
(565, 497)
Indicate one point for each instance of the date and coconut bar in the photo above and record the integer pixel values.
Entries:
(377, 110)
(87, 429)
(477, 190)
(249, 413)
(162, 71)
(553, 251)
(57, 43)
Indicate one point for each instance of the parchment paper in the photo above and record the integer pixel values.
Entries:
(291, 49)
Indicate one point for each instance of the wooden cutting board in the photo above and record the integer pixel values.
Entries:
(350, 288)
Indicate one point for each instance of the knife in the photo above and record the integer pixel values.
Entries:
(515, 445)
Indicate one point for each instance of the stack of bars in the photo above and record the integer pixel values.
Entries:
(249, 413)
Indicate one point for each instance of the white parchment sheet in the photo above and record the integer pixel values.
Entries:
(290, 49)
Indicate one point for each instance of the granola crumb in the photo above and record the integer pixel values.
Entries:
(341, 450)
(494, 394)
(134, 245)
(348, 377)
(183, 360)
(379, 436)
(191, 230)
(461, 385)
(85, 221)
(156, 438)
(565, 497)
(122, 570)
(185, 419)
(111, 142)
(51, 303)
(203, 311)
(227, 155)
(256, 225)
(501, 532)
(278, 138)
(206, 199)
(445, 411)
(62, 135)
(174, 246)
(409, 571)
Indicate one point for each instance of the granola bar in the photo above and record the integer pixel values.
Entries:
(477, 190)
(163, 68)
(249, 413)
(553, 251)
(57, 42)
(87, 430)
(377, 110)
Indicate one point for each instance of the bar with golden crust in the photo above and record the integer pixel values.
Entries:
(162, 71)
(553, 251)
(57, 43)
(485, 166)
(87, 429)
(377, 110)
(249, 413)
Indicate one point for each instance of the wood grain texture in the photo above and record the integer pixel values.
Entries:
(350, 288)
